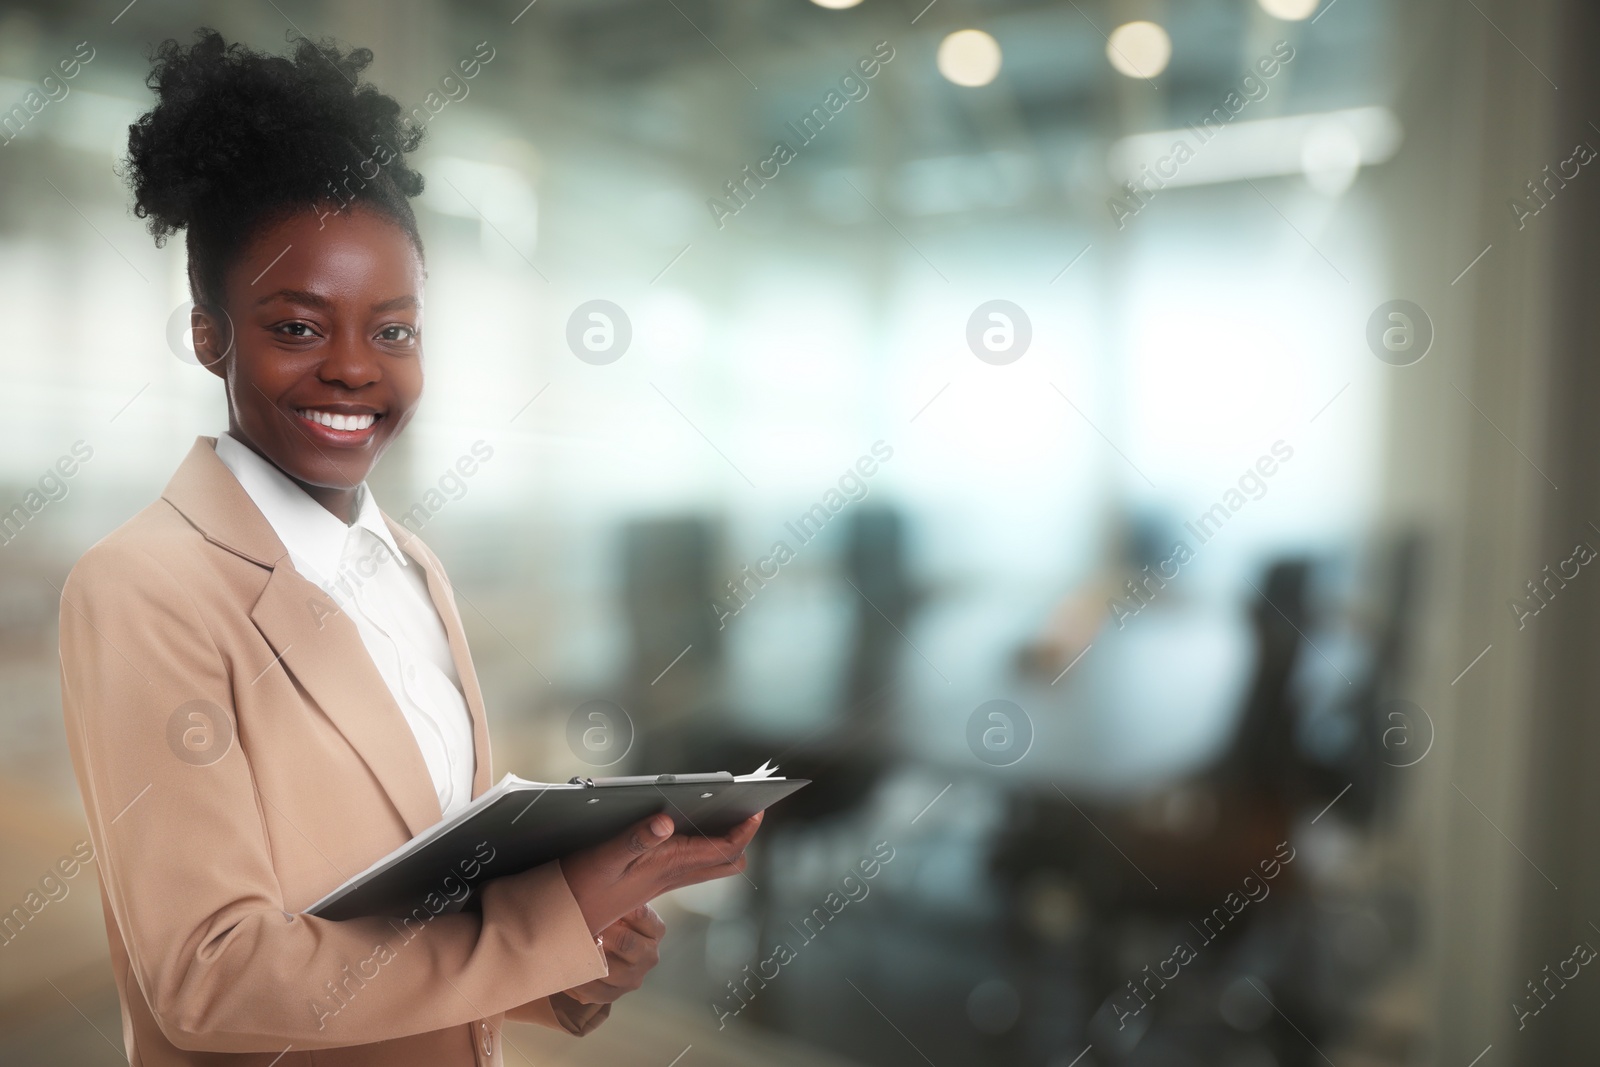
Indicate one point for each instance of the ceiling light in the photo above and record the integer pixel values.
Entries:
(1330, 155)
(1326, 147)
(1289, 10)
(969, 57)
(836, 5)
(1139, 49)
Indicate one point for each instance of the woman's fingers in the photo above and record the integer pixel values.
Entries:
(613, 879)
(631, 952)
(740, 835)
(621, 942)
(628, 967)
(697, 859)
(733, 843)
(599, 991)
(705, 873)
(575, 1016)
(648, 834)
(688, 851)
(638, 840)
(646, 921)
(628, 945)
(610, 879)
(728, 848)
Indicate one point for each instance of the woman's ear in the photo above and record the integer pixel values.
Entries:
(212, 331)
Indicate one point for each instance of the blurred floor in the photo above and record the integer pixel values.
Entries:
(651, 1028)
(648, 1029)
(84, 1031)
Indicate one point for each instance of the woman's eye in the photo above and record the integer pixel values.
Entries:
(295, 329)
(397, 333)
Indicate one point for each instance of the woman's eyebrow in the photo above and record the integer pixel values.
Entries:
(297, 296)
(301, 296)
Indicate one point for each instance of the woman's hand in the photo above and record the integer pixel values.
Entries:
(632, 946)
(577, 1019)
(632, 949)
(616, 877)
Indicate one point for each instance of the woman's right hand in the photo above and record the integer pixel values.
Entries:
(615, 877)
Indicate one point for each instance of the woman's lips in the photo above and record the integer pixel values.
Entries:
(336, 428)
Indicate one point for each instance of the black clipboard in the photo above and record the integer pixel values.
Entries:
(518, 825)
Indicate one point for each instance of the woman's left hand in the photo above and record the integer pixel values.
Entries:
(632, 948)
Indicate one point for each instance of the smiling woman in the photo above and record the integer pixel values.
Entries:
(323, 289)
(354, 716)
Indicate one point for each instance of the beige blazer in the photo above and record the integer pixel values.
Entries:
(239, 756)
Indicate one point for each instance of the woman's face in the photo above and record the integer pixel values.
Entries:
(326, 365)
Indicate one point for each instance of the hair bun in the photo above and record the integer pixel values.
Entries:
(236, 134)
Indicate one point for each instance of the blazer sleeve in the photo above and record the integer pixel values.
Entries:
(187, 867)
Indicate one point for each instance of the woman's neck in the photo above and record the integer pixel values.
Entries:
(340, 502)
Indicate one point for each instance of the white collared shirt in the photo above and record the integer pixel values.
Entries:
(365, 572)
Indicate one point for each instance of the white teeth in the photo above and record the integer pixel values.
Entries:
(339, 422)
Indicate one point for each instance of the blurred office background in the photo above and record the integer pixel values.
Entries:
(1338, 747)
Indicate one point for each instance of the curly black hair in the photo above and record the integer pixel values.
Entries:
(239, 139)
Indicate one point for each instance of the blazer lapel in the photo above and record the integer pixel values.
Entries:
(444, 601)
(316, 642)
(320, 646)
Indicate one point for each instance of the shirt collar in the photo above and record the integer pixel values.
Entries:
(314, 536)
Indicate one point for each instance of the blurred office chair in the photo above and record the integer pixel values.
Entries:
(1196, 840)
(1369, 738)
(668, 591)
(846, 758)
(667, 588)
(1199, 838)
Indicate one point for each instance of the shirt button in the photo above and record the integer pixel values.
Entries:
(411, 673)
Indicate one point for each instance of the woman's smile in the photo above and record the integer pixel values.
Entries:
(341, 425)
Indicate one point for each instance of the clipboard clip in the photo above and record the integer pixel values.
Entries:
(651, 779)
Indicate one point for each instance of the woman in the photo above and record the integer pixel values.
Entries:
(265, 681)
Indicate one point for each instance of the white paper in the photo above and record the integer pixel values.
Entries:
(767, 770)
